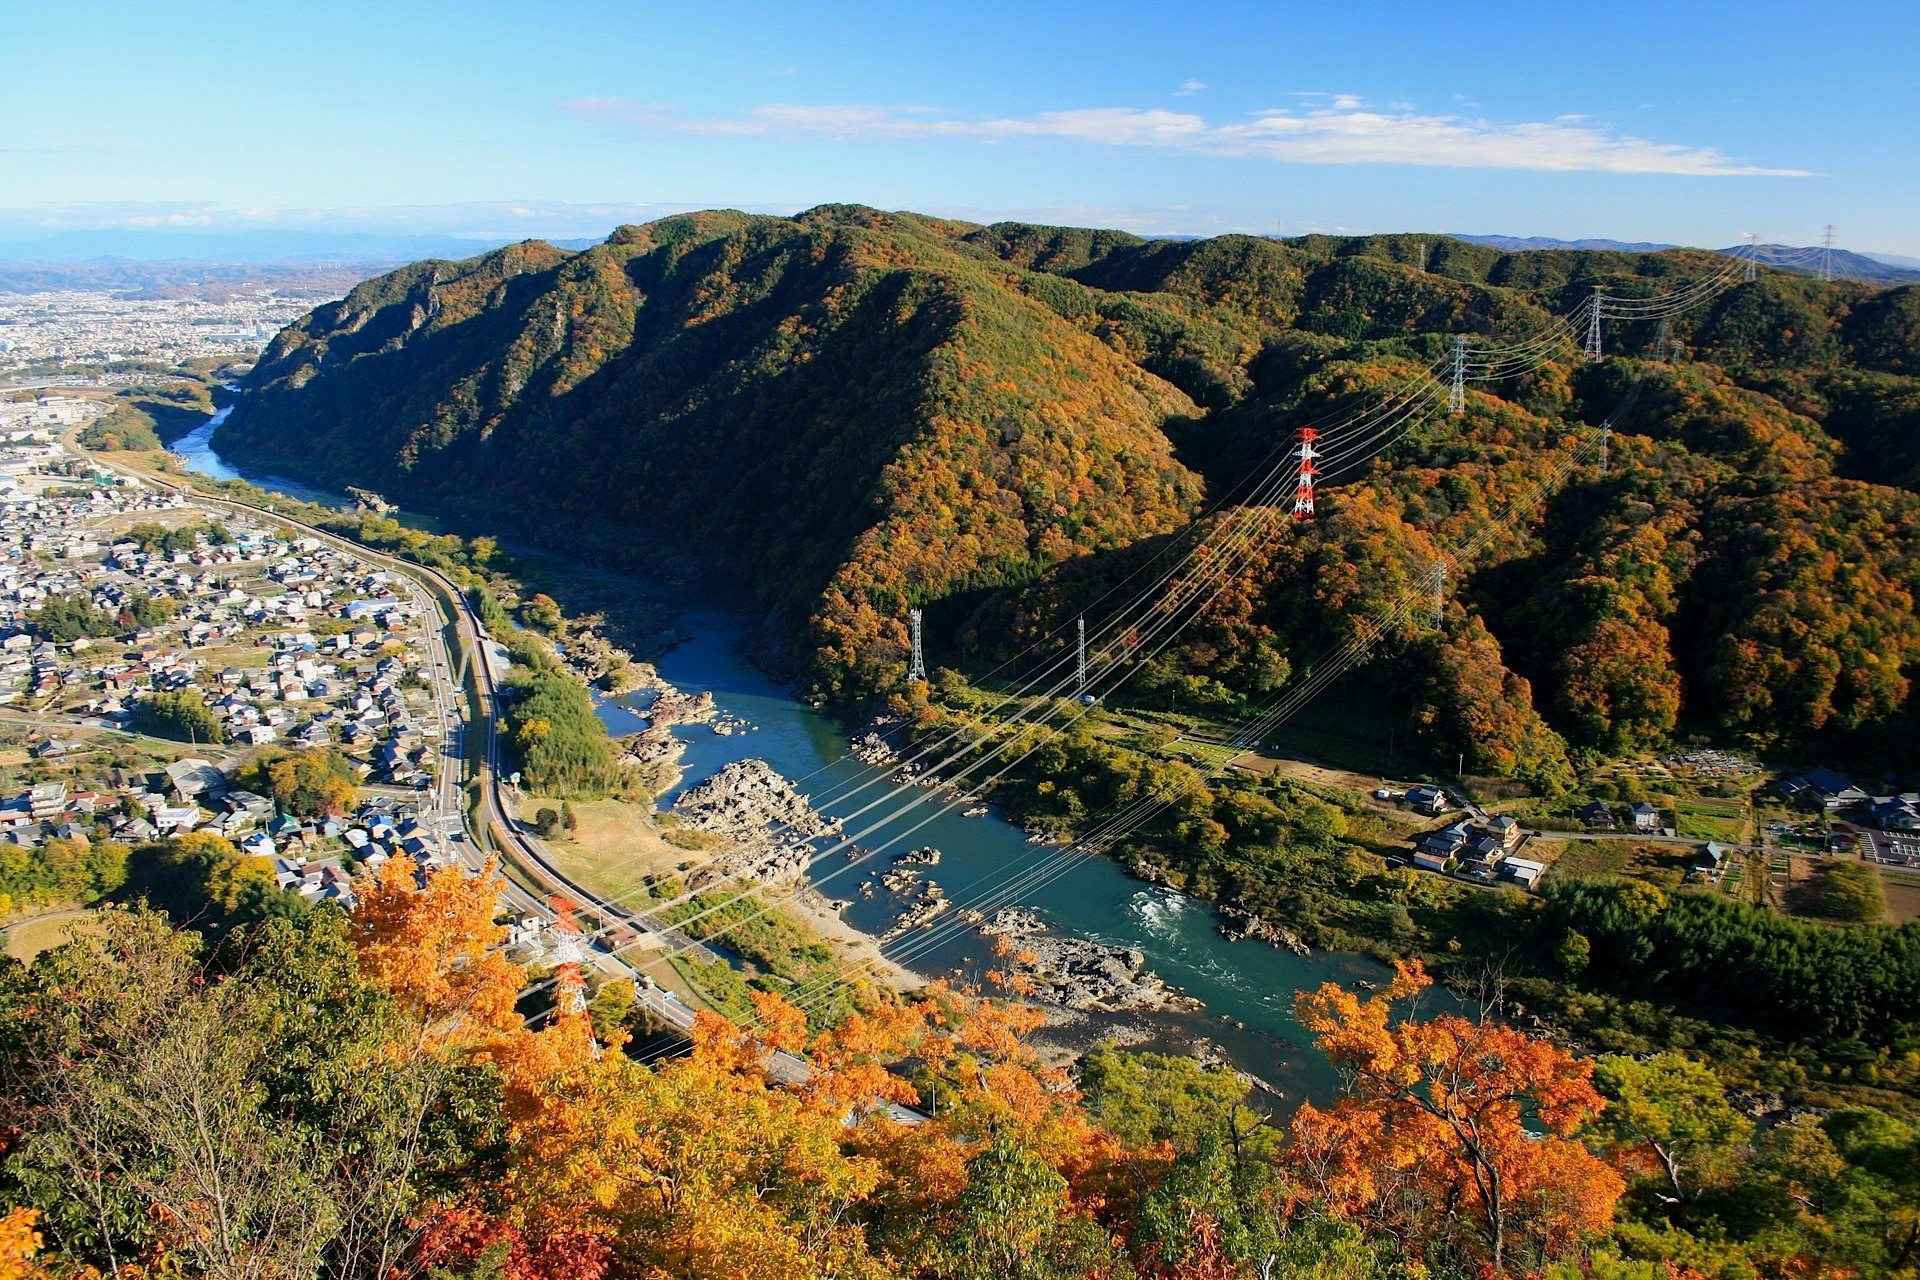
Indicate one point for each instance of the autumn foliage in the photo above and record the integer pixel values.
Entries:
(369, 1100)
(1453, 1133)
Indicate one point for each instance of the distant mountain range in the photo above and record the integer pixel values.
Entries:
(1521, 244)
(1869, 268)
(211, 263)
(216, 265)
(250, 246)
(1846, 265)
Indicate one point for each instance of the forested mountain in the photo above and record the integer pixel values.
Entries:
(860, 412)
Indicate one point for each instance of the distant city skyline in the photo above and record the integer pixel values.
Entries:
(1682, 124)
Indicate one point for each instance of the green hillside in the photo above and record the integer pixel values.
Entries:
(857, 412)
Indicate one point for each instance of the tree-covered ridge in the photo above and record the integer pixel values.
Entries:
(701, 372)
(862, 412)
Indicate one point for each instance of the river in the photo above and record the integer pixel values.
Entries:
(1246, 988)
(196, 451)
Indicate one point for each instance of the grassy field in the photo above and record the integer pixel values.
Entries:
(1352, 733)
(618, 845)
(1662, 864)
(28, 938)
(1903, 894)
(1583, 857)
(1723, 820)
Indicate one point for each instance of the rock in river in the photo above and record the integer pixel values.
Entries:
(1078, 973)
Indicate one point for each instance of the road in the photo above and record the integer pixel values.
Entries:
(522, 853)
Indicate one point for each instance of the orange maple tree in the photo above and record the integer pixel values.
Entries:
(1452, 1117)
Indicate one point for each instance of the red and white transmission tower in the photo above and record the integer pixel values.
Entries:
(1303, 487)
(569, 973)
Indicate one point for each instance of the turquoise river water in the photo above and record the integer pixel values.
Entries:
(1246, 989)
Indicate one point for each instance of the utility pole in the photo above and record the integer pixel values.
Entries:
(1593, 325)
(917, 668)
(1303, 487)
(1664, 342)
(1826, 255)
(1457, 393)
(1080, 666)
(1420, 254)
(1753, 253)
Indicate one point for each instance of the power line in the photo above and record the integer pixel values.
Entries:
(1457, 393)
(917, 668)
(1164, 627)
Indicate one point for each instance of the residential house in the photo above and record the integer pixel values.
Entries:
(1597, 815)
(1896, 813)
(1822, 789)
(192, 778)
(1646, 817)
(1427, 799)
(1522, 871)
(1709, 864)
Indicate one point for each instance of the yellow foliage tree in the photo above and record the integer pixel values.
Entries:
(433, 946)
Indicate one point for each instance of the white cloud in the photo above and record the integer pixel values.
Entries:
(1188, 87)
(1343, 133)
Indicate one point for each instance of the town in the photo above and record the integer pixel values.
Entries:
(46, 333)
(213, 639)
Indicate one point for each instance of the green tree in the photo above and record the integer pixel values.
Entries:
(316, 782)
(1573, 953)
(1143, 1098)
(1011, 1220)
(182, 715)
(1668, 1115)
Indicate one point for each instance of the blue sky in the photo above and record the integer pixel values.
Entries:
(1687, 122)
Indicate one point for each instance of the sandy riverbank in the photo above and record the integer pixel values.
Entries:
(813, 908)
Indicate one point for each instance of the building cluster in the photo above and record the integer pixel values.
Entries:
(1885, 828)
(1483, 852)
(287, 640)
(1640, 816)
(1829, 792)
(74, 327)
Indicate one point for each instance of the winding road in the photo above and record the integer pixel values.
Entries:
(531, 877)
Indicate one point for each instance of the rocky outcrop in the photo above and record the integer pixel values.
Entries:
(763, 816)
(745, 799)
(921, 910)
(873, 746)
(1078, 973)
(671, 707)
(1238, 923)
